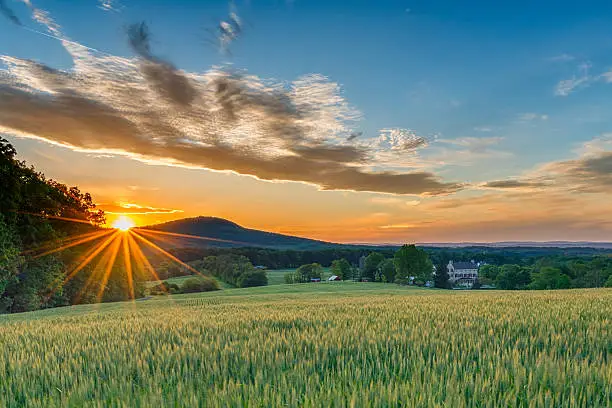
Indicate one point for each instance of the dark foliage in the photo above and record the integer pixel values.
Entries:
(199, 284)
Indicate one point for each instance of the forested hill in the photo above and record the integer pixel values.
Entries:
(227, 234)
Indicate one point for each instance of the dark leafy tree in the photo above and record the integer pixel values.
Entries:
(386, 271)
(412, 261)
(371, 265)
(307, 272)
(342, 268)
(441, 278)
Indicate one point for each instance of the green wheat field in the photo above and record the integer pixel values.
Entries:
(315, 345)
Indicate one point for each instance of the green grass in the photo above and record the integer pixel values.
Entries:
(277, 276)
(179, 280)
(336, 344)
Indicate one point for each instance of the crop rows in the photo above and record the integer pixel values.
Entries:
(393, 348)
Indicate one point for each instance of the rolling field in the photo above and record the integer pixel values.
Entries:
(277, 276)
(344, 344)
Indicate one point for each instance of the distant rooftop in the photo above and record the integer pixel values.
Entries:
(464, 265)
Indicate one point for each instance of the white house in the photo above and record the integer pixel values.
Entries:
(462, 273)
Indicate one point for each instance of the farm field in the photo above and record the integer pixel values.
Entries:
(277, 276)
(342, 344)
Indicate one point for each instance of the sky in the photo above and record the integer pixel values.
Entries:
(362, 121)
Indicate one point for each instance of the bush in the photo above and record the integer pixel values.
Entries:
(201, 284)
(164, 288)
(253, 278)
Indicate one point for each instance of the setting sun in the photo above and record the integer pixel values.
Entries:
(123, 223)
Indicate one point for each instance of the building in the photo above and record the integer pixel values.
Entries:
(462, 273)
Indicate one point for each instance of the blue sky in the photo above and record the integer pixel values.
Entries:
(482, 81)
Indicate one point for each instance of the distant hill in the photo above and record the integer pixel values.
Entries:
(224, 233)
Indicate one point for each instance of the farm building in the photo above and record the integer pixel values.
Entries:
(462, 273)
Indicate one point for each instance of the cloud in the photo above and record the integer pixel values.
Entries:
(7, 12)
(512, 184)
(483, 129)
(583, 80)
(136, 209)
(528, 117)
(394, 201)
(221, 120)
(567, 86)
(108, 5)
(400, 139)
(465, 151)
(227, 31)
(562, 58)
(591, 172)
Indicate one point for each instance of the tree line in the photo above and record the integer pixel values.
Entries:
(31, 208)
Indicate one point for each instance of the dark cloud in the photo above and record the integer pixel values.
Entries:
(592, 173)
(217, 120)
(513, 184)
(7, 12)
(354, 136)
(162, 75)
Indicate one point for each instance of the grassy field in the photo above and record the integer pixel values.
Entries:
(342, 344)
(277, 276)
(179, 280)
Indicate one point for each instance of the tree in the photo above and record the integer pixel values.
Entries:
(372, 262)
(342, 268)
(228, 267)
(488, 271)
(31, 207)
(199, 284)
(441, 278)
(307, 272)
(512, 277)
(253, 278)
(9, 256)
(549, 278)
(412, 261)
(387, 270)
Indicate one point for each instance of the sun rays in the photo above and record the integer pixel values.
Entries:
(104, 251)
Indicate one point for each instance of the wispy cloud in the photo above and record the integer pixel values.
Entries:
(135, 209)
(562, 58)
(464, 151)
(222, 120)
(581, 81)
(394, 201)
(529, 117)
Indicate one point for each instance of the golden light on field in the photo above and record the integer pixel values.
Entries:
(123, 223)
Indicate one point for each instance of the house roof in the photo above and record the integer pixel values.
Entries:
(464, 265)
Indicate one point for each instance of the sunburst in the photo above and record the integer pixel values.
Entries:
(105, 246)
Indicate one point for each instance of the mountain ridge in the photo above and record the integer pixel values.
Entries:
(226, 233)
